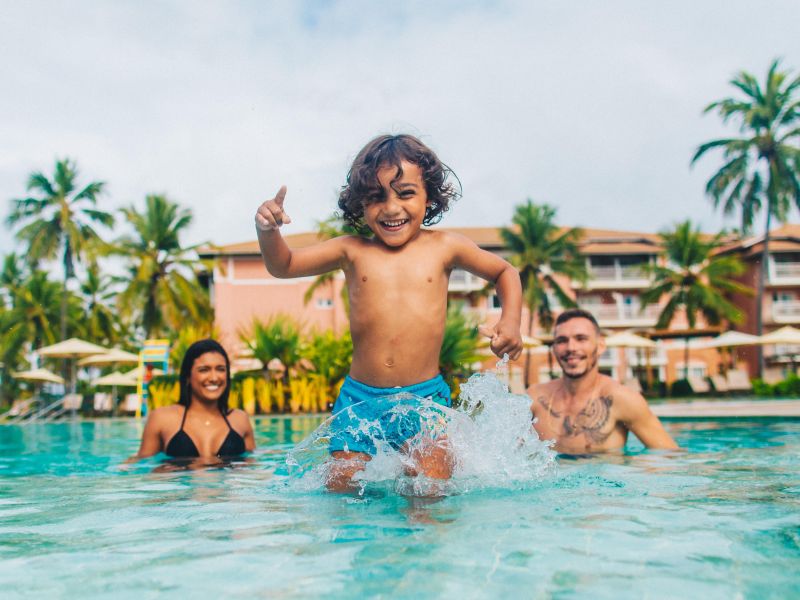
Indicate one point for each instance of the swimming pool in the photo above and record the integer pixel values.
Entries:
(720, 521)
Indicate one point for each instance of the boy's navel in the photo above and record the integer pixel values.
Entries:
(430, 279)
(389, 362)
(364, 278)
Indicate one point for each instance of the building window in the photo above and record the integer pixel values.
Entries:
(324, 303)
(494, 302)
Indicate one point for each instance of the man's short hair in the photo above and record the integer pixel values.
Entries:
(577, 313)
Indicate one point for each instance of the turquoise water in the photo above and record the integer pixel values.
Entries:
(719, 521)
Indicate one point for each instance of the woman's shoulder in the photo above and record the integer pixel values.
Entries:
(167, 413)
(238, 416)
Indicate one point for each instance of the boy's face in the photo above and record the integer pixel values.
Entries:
(396, 219)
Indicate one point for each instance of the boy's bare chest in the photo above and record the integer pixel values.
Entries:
(409, 270)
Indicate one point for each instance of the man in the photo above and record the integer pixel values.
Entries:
(585, 411)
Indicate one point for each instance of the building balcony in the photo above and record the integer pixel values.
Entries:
(617, 276)
(784, 272)
(786, 312)
(623, 315)
(464, 281)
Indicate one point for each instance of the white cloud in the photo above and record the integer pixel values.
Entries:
(595, 108)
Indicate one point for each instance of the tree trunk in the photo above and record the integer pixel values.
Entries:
(526, 376)
(686, 360)
(762, 276)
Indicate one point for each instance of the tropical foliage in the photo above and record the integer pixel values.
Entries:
(162, 289)
(542, 251)
(280, 338)
(695, 279)
(57, 219)
(459, 346)
(761, 166)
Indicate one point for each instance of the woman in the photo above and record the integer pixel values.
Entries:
(201, 425)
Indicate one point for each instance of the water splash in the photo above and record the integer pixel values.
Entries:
(488, 438)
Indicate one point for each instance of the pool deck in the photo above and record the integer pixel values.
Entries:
(704, 409)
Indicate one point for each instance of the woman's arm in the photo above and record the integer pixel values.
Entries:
(151, 436)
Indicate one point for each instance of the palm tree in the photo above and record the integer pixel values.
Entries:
(101, 323)
(761, 167)
(162, 287)
(696, 279)
(280, 338)
(331, 354)
(57, 219)
(541, 250)
(459, 345)
(33, 305)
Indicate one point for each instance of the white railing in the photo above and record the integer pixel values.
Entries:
(786, 270)
(658, 356)
(786, 311)
(464, 281)
(617, 273)
(621, 314)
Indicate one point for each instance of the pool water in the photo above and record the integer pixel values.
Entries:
(721, 520)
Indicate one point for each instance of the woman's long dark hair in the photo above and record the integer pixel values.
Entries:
(194, 352)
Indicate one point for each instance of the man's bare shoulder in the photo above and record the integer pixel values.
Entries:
(626, 400)
(546, 388)
(543, 392)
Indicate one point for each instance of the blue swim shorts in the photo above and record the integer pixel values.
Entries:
(363, 414)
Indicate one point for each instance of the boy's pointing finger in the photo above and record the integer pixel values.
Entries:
(280, 196)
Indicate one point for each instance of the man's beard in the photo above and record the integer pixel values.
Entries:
(592, 359)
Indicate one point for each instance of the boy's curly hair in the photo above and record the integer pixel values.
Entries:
(363, 187)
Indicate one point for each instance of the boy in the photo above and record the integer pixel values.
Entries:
(397, 283)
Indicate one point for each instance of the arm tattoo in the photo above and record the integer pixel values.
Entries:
(591, 420)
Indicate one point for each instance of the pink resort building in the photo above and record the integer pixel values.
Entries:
(242, 291)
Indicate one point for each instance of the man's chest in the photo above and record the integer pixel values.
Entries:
(588, 424)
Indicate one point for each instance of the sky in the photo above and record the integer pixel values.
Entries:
(593, 107)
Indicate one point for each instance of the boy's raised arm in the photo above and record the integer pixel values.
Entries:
(280, 260)
(505, 335)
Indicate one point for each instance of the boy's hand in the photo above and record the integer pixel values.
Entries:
(270, 215)
(505, 339)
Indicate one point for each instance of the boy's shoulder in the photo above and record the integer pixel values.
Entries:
(444, 236)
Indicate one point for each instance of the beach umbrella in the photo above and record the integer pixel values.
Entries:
(118, 379)
(730, 339)
(626, 339)
(71, 348)
(113, 356)
(41, 375)
(784, 336)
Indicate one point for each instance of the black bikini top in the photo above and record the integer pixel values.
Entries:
(182, 446)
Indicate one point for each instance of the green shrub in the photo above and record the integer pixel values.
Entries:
(681, 387)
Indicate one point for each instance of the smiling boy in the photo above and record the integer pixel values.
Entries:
(397, 282)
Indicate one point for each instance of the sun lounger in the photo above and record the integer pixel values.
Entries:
(698, 384)
(72, 402)
(130, 404)
(103, 402)
(738, 381)
(720, 383)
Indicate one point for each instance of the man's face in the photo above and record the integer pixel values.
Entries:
(576, 346)
(397, 218)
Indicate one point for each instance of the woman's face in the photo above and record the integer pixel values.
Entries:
(208, 377)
